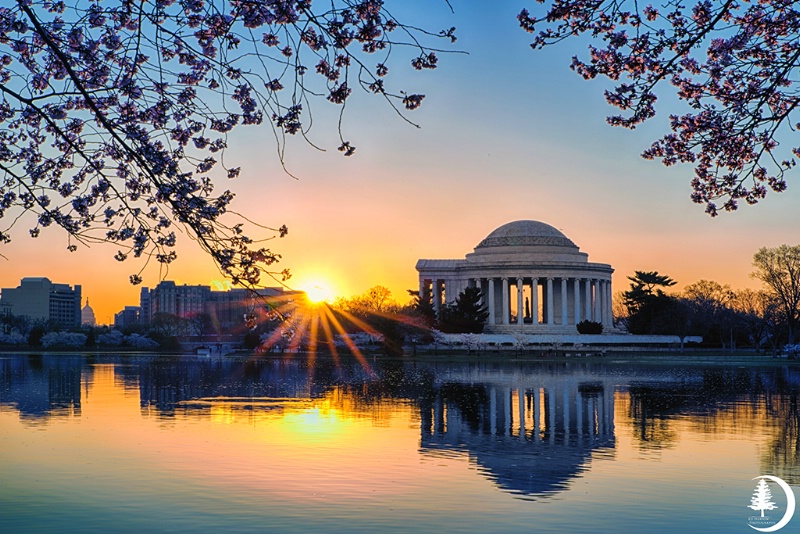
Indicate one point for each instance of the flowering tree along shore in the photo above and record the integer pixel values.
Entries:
(114, 115)
(735, 64)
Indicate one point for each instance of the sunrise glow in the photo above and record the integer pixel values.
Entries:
(383, 265)
(318, 291)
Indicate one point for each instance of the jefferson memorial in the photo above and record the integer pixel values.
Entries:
(534, 280)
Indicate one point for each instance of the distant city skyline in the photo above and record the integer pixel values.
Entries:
(41, 299)
(506, 134)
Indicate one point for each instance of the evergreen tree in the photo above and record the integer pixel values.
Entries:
(650, 310)
(466, 315)
(644, 286)
(422, 305)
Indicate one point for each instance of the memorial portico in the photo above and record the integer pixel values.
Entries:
(532, 277)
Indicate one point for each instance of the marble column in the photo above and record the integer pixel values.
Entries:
(451, 290)
(598, 303)
(597, 298)
(520, 310)
(609, 306)
(577, 296)
(588, 289)
(437, 296)
(563, 301)
(550, 314)
(535, 301)
(492, 303)
(504, 318)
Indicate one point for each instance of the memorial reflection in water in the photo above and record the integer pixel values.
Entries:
(530, 434)
(140, 437)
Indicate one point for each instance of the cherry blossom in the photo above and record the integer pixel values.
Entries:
(734, 63)
(115, 115)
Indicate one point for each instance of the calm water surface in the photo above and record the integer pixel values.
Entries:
(181, 444)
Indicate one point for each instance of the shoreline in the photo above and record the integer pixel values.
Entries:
(629, 355)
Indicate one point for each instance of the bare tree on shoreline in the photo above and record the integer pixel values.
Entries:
(779, 269)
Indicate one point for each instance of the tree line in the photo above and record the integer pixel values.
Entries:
(725, 317)
(765, 318)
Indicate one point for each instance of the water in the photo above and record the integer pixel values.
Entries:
(180, 444)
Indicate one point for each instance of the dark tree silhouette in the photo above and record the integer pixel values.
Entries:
(466, 314)
(650, 310)
(167, 324)
(114, 115)
(644, 285)
(201, 324)
(735, 65)
(779, 269)
(589, 327)
(422, 305)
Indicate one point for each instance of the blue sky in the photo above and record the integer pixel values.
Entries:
(506, 134)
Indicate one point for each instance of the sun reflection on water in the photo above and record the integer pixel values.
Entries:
(225, 440)
(319, 422)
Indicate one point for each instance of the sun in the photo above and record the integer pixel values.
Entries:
(317, 292)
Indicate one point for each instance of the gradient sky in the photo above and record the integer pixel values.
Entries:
(506, 134)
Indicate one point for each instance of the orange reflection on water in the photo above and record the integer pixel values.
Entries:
(348, 448)
(289, 448)
(738, 433)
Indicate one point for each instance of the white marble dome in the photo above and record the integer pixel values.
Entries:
(526, 242)
(533, 279)
(526, 233)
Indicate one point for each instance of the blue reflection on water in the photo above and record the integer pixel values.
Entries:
(532, 431)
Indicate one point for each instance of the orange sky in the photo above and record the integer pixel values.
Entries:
(329, 245)
(505, 134)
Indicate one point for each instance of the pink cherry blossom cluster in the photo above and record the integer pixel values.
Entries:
(114, 114)
(734, 63)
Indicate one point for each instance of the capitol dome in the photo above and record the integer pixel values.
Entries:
(87, 315)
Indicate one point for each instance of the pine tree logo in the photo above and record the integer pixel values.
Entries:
(761, 499)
